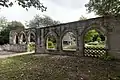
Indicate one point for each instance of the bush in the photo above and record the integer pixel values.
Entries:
(50, 44)
(31, 46)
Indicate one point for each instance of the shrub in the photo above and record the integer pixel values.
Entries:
(50, 44)
(31, 46)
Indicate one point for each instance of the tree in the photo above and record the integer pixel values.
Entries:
(3, 23)
(90, 35)
(14, 25)
(24, 3)
(104, 7)
(4, 33)
(44, 21)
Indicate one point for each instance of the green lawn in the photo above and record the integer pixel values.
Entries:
(36, 67)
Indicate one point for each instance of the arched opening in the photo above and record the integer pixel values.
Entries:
(94, 43)
(16, 39)
(69, 42)
(51, 43)
(22, 38)
(32, 37)
(31, 44)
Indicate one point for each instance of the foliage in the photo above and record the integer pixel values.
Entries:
(40, 21)
(104, 7)
(50, 44)
(52, 38)
(24, 3)
(93, 35)
(14, 25)
(3, 23)
(98, 39)
(89, 35)
(4, 36)
(31, 46)
(4, 33)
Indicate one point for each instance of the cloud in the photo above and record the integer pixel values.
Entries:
(73, 4)
(65, 14)
(62, 10)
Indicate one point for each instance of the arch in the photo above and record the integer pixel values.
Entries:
(89, 50)
(99, 29)
(16, 38)
(53, 35)
(66, 31)
(22, 38)
(69, 40)
(32, 36)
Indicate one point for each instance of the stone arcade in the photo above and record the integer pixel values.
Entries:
(109, 26)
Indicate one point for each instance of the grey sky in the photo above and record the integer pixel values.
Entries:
(74, 4)
(62, 10)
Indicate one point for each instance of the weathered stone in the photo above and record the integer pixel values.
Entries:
(109, 26)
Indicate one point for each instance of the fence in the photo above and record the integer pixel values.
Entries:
(95, 51)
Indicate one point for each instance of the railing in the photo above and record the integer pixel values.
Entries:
(95, 51)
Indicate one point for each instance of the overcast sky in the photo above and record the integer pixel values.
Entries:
(62, 10)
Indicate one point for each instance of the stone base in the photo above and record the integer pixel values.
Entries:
(114, 53)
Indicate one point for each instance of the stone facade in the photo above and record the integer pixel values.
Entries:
(108, 26)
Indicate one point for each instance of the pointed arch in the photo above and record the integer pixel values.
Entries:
(16, 38)
(22, 38)
(69, 40)
(31, 36)
(51, 41)
(96, 47)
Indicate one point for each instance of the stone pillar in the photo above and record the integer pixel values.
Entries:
(40, 47)
(114, 47)
(80, 45)
(28, 38)
(77, 42)
(59, 44)
(11, 38)
(37, 41)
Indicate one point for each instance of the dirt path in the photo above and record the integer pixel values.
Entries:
(5, 54)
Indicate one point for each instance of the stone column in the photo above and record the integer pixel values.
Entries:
(59, 44)
(80, 45)
(28, 38)
(40, 47)
(37, 40)
(11, 37)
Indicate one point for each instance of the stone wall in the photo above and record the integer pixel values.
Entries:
(14, 48)
(78, 28)
(109, 26)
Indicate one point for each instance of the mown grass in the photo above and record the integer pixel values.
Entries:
(37, 67)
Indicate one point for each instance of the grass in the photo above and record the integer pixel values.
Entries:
(38, 67)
